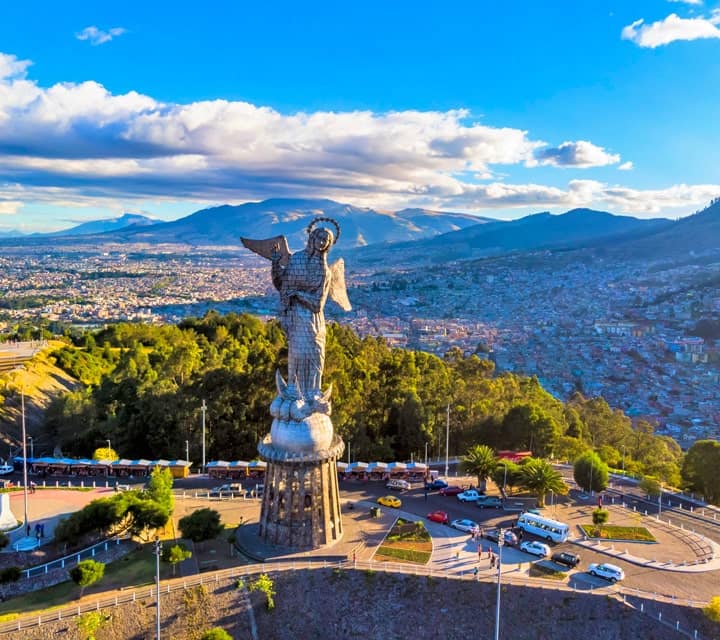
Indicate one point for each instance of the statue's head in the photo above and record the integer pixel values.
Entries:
(322, 238)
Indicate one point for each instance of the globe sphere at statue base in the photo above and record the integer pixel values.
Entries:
(313, 433)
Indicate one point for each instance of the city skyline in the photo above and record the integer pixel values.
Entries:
(499, 112)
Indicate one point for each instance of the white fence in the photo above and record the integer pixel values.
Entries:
(644, 602)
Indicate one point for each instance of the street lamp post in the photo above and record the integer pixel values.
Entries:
(108, 443)
(623, 460)
(187, 451)
(24, 438)
(447, 442)
(204, 409)
(660, 500)
(349, 445)
(501, 541)
(158, 551)
(32, 447)
(426, 444)
(504, 478)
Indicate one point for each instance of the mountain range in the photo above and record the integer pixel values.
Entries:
(125, 221)
(416, 235)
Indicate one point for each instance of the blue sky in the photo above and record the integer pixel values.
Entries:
(165, 108)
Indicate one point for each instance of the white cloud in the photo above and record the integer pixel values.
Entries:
(9, 207)
(98, 36)
(626, 166)
(78, 145)
(695, 2)
(11, 67)
(671, 29)
(581, 154)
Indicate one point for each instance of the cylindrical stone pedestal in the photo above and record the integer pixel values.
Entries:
(301, 502)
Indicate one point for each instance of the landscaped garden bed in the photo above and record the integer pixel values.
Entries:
(621, 534)
(407, 542)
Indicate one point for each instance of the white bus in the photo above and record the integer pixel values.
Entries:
(543, 527)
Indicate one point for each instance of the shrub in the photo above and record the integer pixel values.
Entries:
(265, 585)
(216, 634)
(10, 574)
(712, 611)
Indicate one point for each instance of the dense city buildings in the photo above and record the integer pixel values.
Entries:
(624, 331)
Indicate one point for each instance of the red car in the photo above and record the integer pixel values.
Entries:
(438, 516)
(452, 490)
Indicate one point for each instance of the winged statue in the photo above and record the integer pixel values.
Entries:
(305, 280)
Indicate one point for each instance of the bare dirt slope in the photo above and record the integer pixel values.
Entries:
(346, 604)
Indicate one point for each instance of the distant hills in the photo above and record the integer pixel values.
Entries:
(225, 224)
(575, 229)
(125, 221)
(411, 236)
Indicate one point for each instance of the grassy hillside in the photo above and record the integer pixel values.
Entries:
(41, 381)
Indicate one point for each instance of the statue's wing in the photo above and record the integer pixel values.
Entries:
(338, 291)
(265, 248)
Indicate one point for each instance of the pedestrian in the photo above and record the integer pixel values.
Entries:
(492, 561)
(354, 558)
(490, 553)
(476, 572)
(457, 555)
(28, 530)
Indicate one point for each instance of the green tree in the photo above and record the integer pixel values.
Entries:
(590, 472)
(700, 469)
(712, 610)
(159, 488)
(87, 572)
(105, 453)
(539, 477)
(651, 486)
(89, 623)
(569, 448)
(216, 634)
(480, 462)
(265, 584)
(600, 516)
(175, 554)
(507, 475)
(201, 525)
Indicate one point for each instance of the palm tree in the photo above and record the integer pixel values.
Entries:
(479, 461)
(539, 477)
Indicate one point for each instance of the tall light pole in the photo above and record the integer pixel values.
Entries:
(204, 409)
(504, 478)
(447, 442)
(623, 460)
(187, 451)
(349, 445)
(426, 454)
(501, 542)
(158, 551)
(24, 437)
(32, 447)
(660, 500)
(108, 443)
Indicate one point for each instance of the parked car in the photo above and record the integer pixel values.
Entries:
(390, 501)
(465, 525)
(509, 537)
(451, 490)
(606, 570)
(535, 548)
(490, 502)
(438, 516)
(469, 495)
(398, 484)
(566, 558)
(435, 485)
(227, 489)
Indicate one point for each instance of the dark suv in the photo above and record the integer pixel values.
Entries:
(490, 502)
(568, 559)
(435, 485)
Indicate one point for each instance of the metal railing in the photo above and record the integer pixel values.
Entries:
(633, 598)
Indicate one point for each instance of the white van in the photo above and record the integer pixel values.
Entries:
(550, 530)
(398, 485)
